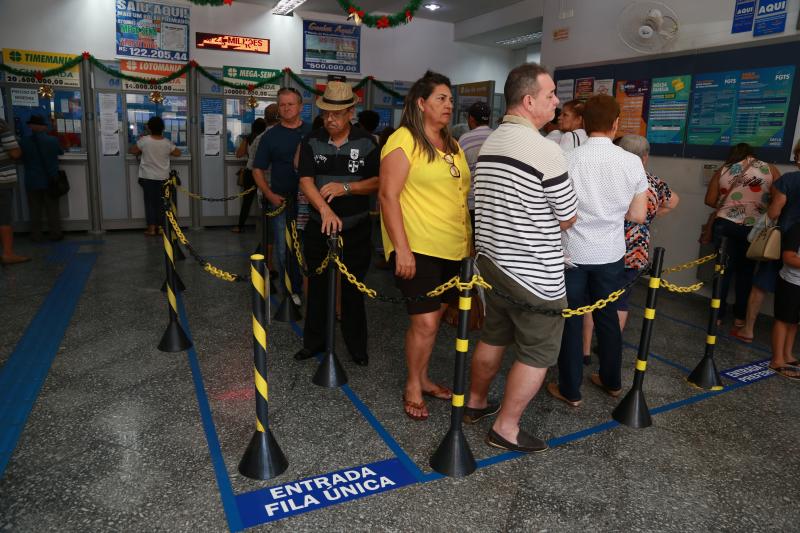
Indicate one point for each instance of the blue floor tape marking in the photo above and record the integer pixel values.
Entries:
(214, 448)
(23, 374)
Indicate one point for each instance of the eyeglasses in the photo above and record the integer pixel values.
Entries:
(448, 158)
(335, 115)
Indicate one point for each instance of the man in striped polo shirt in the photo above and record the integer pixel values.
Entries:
(523, 200)
(9, 150)
(338, 170)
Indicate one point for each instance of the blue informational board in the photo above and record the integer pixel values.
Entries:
(150, 30)
(331, 47)
(743, 14)
(713, 108)
(770, 17)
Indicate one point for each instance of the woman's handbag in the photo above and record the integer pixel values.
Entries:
(59, 184)
(244, 178)
(765, 241)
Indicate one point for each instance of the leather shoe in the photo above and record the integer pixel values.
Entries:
(361, 360)
(525, 443)
(614, 393)
(553, 390)
(473, 415)
(303, 354)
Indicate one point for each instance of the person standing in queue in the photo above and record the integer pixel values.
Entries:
(276, 150)
(338, 168)
(424, 182)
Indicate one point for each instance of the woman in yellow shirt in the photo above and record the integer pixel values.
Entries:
(424, 181)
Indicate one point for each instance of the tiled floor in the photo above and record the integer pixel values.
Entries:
(122, 437)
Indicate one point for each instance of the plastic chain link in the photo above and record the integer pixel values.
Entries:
(208, 267)
(690, 264)
(196, 196)
(675, 288)
(300, 261)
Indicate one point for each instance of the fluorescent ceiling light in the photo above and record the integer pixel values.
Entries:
(432, 6)
(520, 39)
(285, 7)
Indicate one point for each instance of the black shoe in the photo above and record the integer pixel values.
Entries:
(303, 354)
(587, 360)
(526, 443)
(361, 360)
(472, 416)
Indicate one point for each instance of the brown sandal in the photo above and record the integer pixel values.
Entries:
(408, 405)
(440, 392)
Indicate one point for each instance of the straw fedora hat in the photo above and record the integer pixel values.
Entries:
(338, 95)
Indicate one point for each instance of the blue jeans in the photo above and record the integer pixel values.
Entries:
(278, 228)
(586, 284)
(738, 265)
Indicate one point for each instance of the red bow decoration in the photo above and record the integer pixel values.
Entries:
(227, 2)
(383, 22)
(409, 16)
(193, 63)
(250, 87)
(38, 75)
(86, 55)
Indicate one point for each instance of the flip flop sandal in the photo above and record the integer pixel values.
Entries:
(408, 405)
(440, 393)
(794, 363)
(789, 372)
(735, 334)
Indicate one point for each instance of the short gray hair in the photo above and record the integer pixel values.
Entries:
(522, 80)
(635, 144)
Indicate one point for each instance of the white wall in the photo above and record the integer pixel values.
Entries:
(404, 53)
(593, 29)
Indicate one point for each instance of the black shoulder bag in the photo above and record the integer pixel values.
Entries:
(58, 185)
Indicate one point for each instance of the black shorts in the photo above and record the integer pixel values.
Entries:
(787, 302)
(431, 272)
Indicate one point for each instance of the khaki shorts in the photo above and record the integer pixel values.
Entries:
(537, 337)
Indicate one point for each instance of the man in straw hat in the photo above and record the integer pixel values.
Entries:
(338, 170)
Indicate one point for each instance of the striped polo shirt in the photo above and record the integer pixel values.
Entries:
(8, 169)
(355, 160)
(522, 192)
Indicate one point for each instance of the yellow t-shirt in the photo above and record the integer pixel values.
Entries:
(434, 203)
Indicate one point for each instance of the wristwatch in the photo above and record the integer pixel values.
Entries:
(347, 189)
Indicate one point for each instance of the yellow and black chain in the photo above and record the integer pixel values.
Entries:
(275, 212)
(196, 196)
(691, 264)
(299, 254)
(208, 267)
(683, 290)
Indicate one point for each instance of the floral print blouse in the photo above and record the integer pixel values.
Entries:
(637, 236)
(744, 191)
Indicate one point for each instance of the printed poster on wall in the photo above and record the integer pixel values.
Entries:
(762, 104)
(328, 46)
(152, 70)
(470, 93)
(564, 90)
(151, 30)
(669, 102)
(35, 60)
(584, 88)
(245, 75)
(713, 108)
(633, 97)
(604, 87)
(743, 14)
(770, 17)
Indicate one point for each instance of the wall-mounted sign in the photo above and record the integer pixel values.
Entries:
(770, 17)
(149, 30)
(232, 43)
(247, 75)
(329, 46)
(33, 60)
(561, 34)
(743, 14)
(152, 70)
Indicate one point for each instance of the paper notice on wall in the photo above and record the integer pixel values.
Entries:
(24, 97)
(564, 90)
(109, 144)
(76, 125)
(211, 144)
(69, 126)
(212, 123)
(604, 87)
(108, 123)
(107, 103)
(60, 126)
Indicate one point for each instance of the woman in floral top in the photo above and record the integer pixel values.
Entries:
(739, 191)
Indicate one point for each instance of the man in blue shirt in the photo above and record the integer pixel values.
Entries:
(40, 156)
(277, 149)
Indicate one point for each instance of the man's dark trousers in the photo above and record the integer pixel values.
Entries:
(356, 255)
(593, 282)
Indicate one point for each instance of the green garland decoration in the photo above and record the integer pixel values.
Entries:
(403, 16)
(276, 79)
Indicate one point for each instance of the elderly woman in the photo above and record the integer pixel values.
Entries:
(424, 181)
(570, 122)
(660, 201)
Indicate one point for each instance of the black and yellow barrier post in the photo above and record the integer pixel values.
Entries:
(263, 246)
(174, 338)
(453, 457)
(632, 410)
(263, 458)
(705, 375)
(168, 194)
(330, 372)
(173, 205)
(288, 311)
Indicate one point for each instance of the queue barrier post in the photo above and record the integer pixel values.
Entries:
(263, 458)
(288, 311)
(632, 411)
(173, 204)
(174, 338)
(263, 245)
(705, 375)
(179, 285)
(453, 457)
(330, 372)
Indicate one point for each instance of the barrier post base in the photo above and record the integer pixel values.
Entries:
(174, 338)
(179, 286)
(263, 458)
(288, 311)
(453, 457)
(330, 372)
(632, 411)
(705, 375)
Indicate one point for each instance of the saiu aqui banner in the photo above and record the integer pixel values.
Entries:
(151, 30)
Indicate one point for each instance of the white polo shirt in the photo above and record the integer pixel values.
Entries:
(605, 178)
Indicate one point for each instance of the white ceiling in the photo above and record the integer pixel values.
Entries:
(453, 11)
